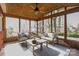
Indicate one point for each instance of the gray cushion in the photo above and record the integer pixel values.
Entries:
(46, 35)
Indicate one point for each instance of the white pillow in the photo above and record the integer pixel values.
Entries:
(27, 33)
(50, 35)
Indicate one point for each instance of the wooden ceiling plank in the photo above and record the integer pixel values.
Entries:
(24, 10)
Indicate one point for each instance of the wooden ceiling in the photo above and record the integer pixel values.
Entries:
(26, 10)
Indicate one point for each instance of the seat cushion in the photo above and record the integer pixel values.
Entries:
(47, 38)
(45, 34)
(50, 35)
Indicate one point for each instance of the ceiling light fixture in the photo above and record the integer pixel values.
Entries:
(36, 9)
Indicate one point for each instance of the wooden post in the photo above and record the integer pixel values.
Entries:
(4, 27)
(54, 24)
(37, 27)
(29, 26)
(51, 23)
(19, 25)
(43, 26)
(65, 26)
(1, 35)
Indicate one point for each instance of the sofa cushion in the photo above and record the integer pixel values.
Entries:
(50, 35)
(47, 38)
(45, 34)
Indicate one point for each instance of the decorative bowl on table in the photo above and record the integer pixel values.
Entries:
(34, 41)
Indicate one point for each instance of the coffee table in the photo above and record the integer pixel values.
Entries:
(39, 42)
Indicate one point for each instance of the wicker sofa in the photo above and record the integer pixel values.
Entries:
(50, 37)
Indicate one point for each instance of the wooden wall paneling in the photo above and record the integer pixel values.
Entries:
(70, 43)
(1, 40)
(4, 27)
(1, 32)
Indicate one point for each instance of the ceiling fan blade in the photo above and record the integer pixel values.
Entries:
(42, 12)
(32, 7)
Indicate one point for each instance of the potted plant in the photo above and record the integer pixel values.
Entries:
(34, 41)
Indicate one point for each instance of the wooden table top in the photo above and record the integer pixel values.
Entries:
(38, 40)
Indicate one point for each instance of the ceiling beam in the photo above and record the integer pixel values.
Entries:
(3, 7)
(64, 5)
(21, 17)
(1, 10)
(76, 9)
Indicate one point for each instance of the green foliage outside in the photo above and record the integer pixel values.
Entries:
(61, 34)
(75, 35)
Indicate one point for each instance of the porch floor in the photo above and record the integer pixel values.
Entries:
(15, 49)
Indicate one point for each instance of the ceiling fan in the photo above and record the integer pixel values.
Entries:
(36, 9)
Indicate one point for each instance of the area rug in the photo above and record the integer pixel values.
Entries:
(55, 50)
